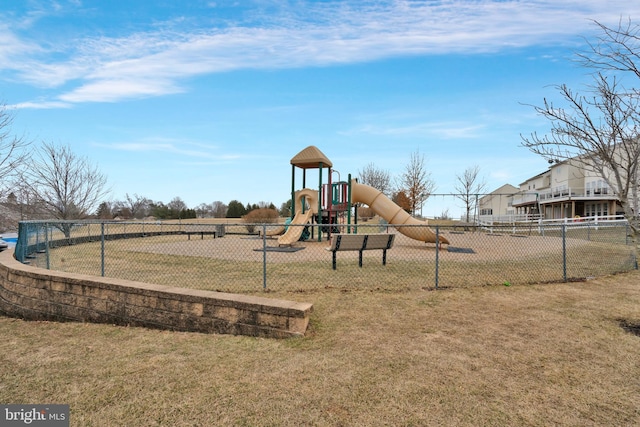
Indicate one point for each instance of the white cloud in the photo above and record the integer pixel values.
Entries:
(154, 63)
(116, 90)
(42, 105)
(440, 130)
(180, 148)
(12, 47)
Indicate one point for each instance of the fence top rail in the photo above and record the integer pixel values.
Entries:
(508, 219)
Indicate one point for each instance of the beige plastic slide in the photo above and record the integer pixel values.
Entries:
(393, 213)
(310, 198)
(293, 234)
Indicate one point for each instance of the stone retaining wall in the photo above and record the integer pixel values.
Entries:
(38, 294)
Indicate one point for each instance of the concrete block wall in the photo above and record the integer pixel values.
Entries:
(38, 294)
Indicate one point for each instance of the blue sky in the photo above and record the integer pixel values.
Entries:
(209, 100)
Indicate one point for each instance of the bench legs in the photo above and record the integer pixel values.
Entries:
(334, 263)
(201, 234)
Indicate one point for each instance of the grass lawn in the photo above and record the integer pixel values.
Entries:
(535, 355)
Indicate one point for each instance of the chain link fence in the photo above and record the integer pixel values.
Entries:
(247, 258)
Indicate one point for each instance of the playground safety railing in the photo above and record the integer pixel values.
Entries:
(247, 258)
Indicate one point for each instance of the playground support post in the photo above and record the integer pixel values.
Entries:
(349, 204)
(320, 166)
(293, 192)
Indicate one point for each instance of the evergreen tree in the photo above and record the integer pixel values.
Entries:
(104, 211)
(236, 209)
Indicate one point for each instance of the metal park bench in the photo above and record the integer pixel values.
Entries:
(361, 243)
(201, 233)
(216, 231)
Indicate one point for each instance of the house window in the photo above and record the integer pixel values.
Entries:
(593, 209)
(597, 188)
(561, 190)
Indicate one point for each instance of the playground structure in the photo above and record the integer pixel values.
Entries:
(333, 202)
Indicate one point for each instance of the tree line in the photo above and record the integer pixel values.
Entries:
(140, 207)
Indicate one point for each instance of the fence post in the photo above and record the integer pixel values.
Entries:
(437, 253)
(102, 249)
(46, 244)
(564, 252)
(264, 257)
(626, 235)
(37, 228)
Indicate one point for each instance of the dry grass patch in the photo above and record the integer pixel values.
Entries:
(522, 355)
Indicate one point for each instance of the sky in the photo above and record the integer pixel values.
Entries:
(209, 100)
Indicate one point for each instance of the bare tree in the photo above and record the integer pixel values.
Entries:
(177, 207)
(26, 206)
(219, 209)
(138, 206)
(13, 153)
(468, 186)
(602, 128)
(67, 186)
(203, 210)
(616, 49)
(416, 182)
(375, 177)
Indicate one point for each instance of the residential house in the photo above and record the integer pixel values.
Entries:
(566, 190)
(498, 202)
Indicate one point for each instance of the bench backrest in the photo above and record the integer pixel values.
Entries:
(356, 242)
(380, 241)
(346, 242)
(196, 228)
